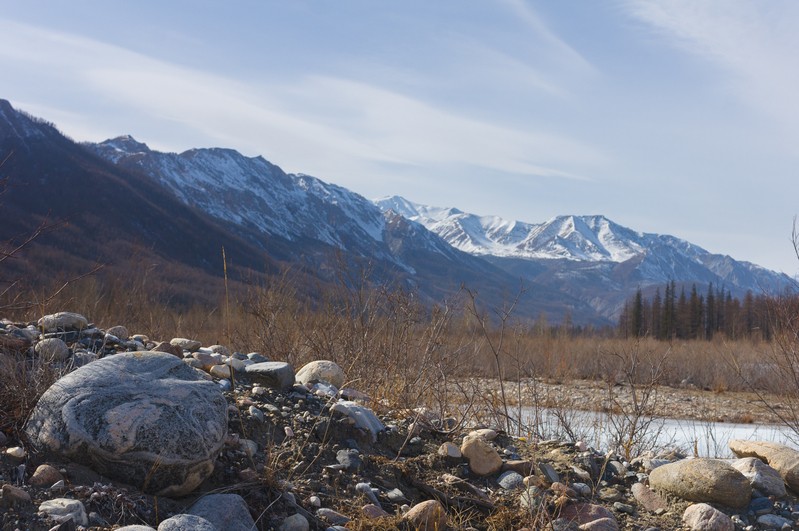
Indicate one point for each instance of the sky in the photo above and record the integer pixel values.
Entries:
(677, 117)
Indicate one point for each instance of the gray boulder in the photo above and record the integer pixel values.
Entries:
(761, 476)
(783, 459)
(225, 511)
(63, 321)
(187, 522)
(52, 349)
(144, 418)
(322, 371)
(275, 374)
(703, 517)
(703, 480)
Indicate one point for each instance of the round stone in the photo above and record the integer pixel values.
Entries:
(142, 417)
(52, 349)
(322, 371)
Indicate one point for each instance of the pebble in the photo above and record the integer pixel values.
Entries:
(331, 516)
(256, 413)
(295, 522)
(14, 496)
(17, 452)
(62, 508)
(774, 521)
(511, 480)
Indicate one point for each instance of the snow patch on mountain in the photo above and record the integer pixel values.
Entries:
(252, 192)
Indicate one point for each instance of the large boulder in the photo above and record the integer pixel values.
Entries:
(761, 476)
(321, 371)
(483, 458)
(144, 418)
(703, 480)
(228, 512)
(275, 374)
(783, 459)
(703, 517)
(63, 321)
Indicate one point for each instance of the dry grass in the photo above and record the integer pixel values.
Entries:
(398, 349)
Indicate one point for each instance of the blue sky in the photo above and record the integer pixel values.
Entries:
(676, 117)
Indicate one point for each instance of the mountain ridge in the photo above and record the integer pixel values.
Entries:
(583, 267)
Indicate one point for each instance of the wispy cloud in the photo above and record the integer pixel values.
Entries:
(325, 124)
(755, 43)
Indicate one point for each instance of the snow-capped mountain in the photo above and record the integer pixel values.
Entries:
(586, 254)
(584, 238)
(299, 218)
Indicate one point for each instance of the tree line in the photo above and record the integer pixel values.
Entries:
(674, 313)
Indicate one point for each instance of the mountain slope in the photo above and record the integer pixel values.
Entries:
(102, 214)
(590, 258)
(296, 217)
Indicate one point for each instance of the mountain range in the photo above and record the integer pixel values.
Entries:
(127, 204)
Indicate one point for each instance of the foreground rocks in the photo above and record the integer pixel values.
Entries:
(228, 445)
(144, 418)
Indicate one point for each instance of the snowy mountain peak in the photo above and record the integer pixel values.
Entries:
(126, 145)
(592, 238)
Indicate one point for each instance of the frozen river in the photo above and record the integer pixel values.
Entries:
(704, 439)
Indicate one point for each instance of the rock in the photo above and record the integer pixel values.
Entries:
(349, 459)
(703, 480)
(486, 433)
(134, 528)
(169, 348)
(586, 513)
(521, 466)
(119, 331)
(449, 449)
(220, 349)
(331, 516)
(531, 498)
(549, 472)
(224, 511)
(428, 515)
(52, 349)
(12, 495)
(61, 509)
(45, 476)
(275, 374)
(600, 524)
(511, 480)
(623, 507)
(221, 371)
(62, 321)
(609, 494)
(483, 459)
(364, 418)
(257, 357)
(761, 476)
(373, 511)
(186, 522)
(3, 439)
(144, 418)
(703, 517)
(773, 521)
(366, 490)
(17, 452)
(783, 459)
(648, 499)
(192, 345)
(322, 371)
(295, 522)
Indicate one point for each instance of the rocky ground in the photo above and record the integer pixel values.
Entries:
(297, 451)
